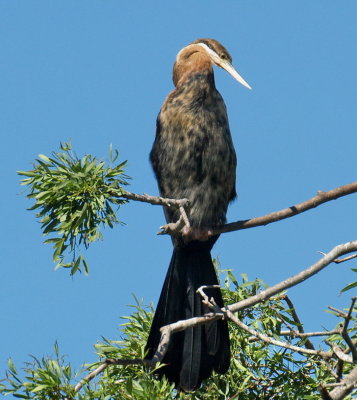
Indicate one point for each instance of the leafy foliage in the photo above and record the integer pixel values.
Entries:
(73, 198)
(258, 370)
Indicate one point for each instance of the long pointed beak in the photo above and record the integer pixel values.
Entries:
(230, 69)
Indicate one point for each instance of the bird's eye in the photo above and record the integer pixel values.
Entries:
(223, 57)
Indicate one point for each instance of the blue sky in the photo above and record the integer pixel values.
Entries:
(97, 72)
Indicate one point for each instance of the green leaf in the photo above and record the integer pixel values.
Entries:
(76, 265)
(26, 173)
(39, 388)
(349, 287)
(44, 158)
(11, 365)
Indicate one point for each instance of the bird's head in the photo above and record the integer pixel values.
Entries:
(217, 54)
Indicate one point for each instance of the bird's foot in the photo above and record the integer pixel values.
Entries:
(190, 233)
(172, 228)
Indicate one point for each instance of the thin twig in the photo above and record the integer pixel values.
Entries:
(105, 364)
(341, 260)
(209, 302)
(294, 334)
(267, 339)
(90, 376)
(155, 200)
(308, 343)
(168, 330)
(173, 228)
(344, 331)
(340, 313)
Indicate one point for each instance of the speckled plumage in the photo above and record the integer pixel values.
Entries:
(193, 157)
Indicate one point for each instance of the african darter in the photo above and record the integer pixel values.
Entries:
(193, 157)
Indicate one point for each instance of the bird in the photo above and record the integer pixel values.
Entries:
(193, 158)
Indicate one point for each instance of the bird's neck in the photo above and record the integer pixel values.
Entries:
(197, 65)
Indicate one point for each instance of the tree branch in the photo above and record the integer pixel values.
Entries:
(344, 331)
(294, 280)
(269, 340)
(346, 386)
(320, 198)
(308, 343)
(294, 334)
(168, 330)
(104, 365)
(154, 200)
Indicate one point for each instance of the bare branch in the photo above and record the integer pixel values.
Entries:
(341, 260)
(296, 318)
(275, 342)
(344, 331)
(346, 387)
(320, 198)
(180, 204)
(345, 259)
(209, 302)
(340, 354)
(168, 330)
(105, 364)
(296, 279)
(90, 376)
(340, 313)
(293, 333)
(155, 200)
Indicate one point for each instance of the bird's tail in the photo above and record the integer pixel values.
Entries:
(192, 354)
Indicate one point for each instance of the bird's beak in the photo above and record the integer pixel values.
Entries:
(230, 69)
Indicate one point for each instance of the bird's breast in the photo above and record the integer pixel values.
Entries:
(193, 154)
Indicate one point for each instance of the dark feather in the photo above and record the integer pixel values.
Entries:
(193, 157)
(194, 353)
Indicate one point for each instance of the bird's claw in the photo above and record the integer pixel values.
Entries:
(172, 228)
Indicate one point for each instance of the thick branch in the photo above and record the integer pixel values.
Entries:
(340, 354)
(346, 386)
(181, 204)
(320, 198)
